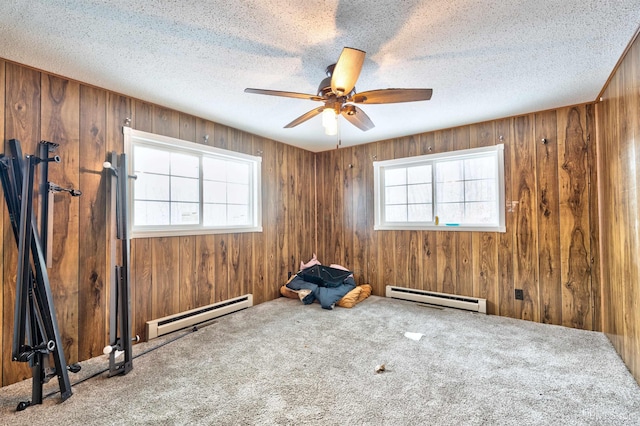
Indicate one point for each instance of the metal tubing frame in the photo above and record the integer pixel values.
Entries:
(120, 311)
(35, 313)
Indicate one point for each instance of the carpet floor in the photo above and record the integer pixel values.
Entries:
(282, 363)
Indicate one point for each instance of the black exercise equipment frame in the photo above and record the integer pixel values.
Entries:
(120, 340)
(36, 334)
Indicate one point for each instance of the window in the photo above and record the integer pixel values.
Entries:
(183, 188)
(458, 191)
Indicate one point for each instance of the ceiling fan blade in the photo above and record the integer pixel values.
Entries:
(284, 94)
(357, 117)
(304, 117)
(346, 71)
(390, 96)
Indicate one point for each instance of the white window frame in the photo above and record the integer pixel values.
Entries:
(379, 191)
(136, 137)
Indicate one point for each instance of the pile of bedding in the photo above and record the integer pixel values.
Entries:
(329, 285)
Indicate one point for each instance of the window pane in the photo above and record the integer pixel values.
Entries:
(214, 192)
(151, 213)
(420, 213)
(396, 213)
(480, 190)
(484, 213)
(238, 172)
(151, 187)
(451, 213)
(450, 192)
(460, 188)
(419, 193)
(185, 189)
(237, 215)
(480, 168)
(238, 194)
(214, 169)
(395, 177)
(185, 213)
(419, 174)
(185, 165)
(447, 171)
(215, 215)
(396, 195)
(150, 160)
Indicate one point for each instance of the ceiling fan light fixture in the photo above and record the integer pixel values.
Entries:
(329, 121)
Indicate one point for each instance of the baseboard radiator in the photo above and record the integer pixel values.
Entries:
(171, 323)
(439, 299)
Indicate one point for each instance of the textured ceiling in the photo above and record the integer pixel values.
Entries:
(484, 59)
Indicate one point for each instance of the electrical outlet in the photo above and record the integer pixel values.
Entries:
(519, 294)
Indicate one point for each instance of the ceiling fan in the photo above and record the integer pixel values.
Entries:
(338, 93)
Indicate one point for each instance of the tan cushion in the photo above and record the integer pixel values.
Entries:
(349, 300)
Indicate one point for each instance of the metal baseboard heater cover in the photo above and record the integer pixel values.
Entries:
(171, 323)
(440, 299)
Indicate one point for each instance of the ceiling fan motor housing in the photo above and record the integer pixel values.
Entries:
(341, 77)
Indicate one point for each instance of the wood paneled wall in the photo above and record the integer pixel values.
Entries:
(619, 172)
(549, 249)
(168, 275)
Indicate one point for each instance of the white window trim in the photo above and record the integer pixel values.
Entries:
(431, 226)
(132, 136)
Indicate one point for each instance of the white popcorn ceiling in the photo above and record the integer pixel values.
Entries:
(484, 59)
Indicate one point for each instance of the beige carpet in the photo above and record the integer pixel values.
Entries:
(284, 363)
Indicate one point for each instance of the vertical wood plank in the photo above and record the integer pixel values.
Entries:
(574, 208)
(141, 254)
(22, 122)
(270, 208)
(548, 216)
(359, 213)
(165, 299)
(281, 224)
(414, 238)
(165, 122)
(258, 255)
(370, 236)
(506, 279)
(402, 238)
(320, 203)
(188, 128)
(92, 315)
(484, 244)
(386, 241)
(142, 274)
(143, 116)
(60, 103)
(464, 271)
(446, 246)
(204, 291)
(165, 275)
(429, 260)
(246, 263)
(205, 270)
(348, 228)
(337, 223)
(187, 284)
(307, 201)
(295, 224)
(594, 227)
(525, 248)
